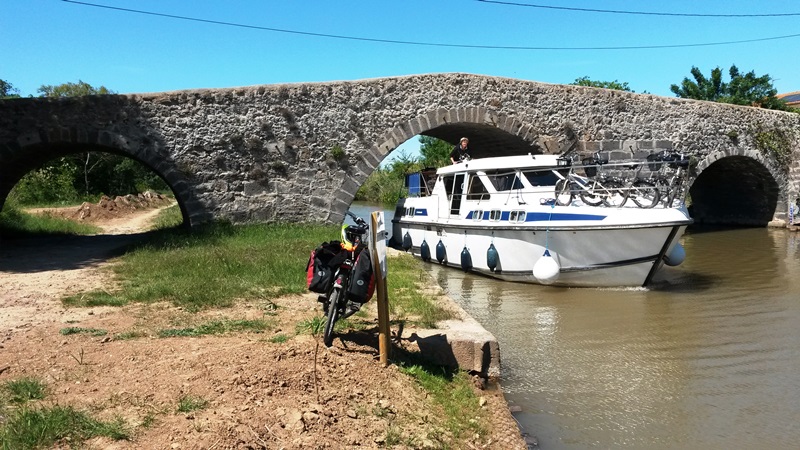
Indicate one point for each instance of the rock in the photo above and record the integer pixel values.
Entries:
(294, 421)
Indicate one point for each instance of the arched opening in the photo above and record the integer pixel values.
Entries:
(735, 190)
(484, 140)
(99, 189)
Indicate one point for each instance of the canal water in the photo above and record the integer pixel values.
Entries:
(707, 358)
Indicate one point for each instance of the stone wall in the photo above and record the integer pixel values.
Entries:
(299, 152)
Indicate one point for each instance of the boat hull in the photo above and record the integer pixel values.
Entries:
(593, 256)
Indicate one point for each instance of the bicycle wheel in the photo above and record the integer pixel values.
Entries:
(564, 194)
(593, 194)
(332, 317)
(616, 193)
(645, 194)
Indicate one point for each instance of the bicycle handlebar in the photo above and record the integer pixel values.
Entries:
(358, 220)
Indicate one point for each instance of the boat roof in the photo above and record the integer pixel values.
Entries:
(502, 162)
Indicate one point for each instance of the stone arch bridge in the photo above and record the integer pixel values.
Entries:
(299, 152)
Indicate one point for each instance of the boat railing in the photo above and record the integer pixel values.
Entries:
(658, 181)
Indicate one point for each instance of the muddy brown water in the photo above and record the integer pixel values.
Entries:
(708, 357)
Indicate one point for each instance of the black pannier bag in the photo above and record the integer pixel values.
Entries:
(362, 280)
(322, 264)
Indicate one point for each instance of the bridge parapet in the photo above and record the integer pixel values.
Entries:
(299, 152)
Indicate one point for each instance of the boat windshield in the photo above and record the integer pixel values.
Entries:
(541, 177)
(504, 181)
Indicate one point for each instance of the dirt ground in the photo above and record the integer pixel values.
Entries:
(258, 392)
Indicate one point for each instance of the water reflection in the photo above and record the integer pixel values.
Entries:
(706, 359)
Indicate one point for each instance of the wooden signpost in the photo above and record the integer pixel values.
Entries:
(379, 268)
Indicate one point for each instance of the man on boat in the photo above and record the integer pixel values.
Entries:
(460, 152)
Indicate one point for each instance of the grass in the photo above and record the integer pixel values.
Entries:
(214, 266)
(408, 301)
(189, 403)
(79, 330)
(218, 264)
(16, 223)
(167, 218)
(453, 393)
(129, 335)
(35, 428)
(27, 426)
(24, 389)
(219, 327)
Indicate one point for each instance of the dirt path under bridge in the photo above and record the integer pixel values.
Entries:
(259, 392)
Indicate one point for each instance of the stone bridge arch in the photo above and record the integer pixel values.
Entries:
(490, 134)
(45, 144)
(737, 187)
(299, 152)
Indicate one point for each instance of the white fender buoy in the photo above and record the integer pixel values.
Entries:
(675, 256)
(546, 269)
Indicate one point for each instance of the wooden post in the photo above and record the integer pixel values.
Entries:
(379, 269)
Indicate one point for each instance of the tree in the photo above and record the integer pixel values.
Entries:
(434, 152)
(7, 90)
(585, 81)
(747, 89)
(78, 89)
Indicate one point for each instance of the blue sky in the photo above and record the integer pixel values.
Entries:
(54, 42)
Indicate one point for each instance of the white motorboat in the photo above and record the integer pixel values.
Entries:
(531, 218)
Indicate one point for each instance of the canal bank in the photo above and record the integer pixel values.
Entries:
(463, 343)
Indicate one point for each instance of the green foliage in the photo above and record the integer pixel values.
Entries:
(78, 89)
(337, 152)
(585, 81)
(775, 144)
(383, 186)
(743, 89)
(24, 390)
(7, 90)
(434, 152)
(386, 185)
(29, 428)
(52, 184)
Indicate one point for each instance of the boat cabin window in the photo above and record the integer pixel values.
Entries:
(477, 215)
(410, 211)
(477, 190)
(517, 216)
(504, 181)
(494, 215)
(544, 177)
